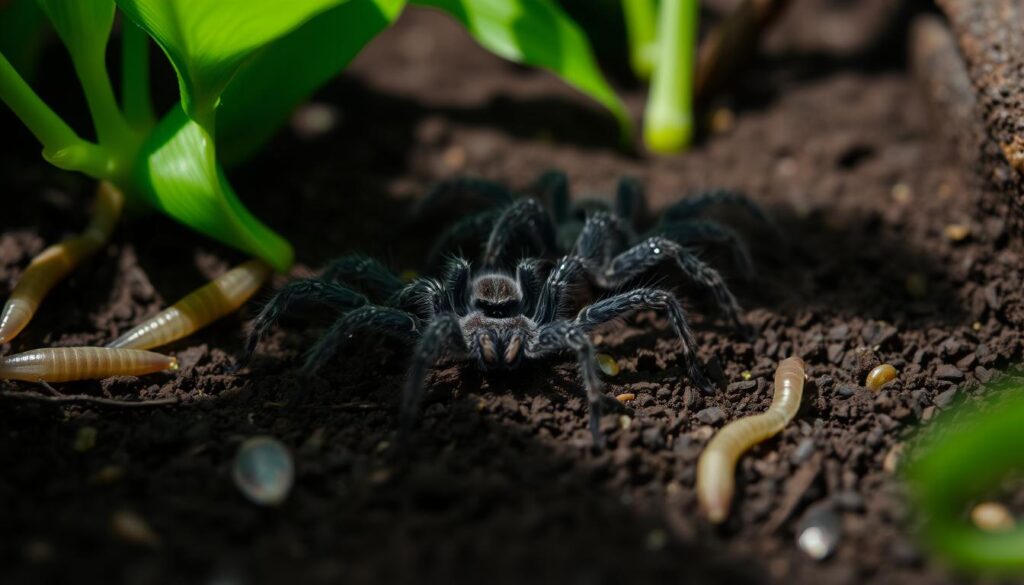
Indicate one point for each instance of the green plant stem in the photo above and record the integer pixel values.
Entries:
(112, 128)
(135, 98)
(61, 146)
(641, 31)
(668, 124)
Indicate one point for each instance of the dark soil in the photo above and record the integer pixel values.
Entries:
(501, 484)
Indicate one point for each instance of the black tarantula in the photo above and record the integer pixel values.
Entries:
(498, 316)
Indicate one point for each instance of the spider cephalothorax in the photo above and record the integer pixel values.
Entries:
(501, 314)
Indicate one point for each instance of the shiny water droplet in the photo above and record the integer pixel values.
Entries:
(607, 364)
(818, 532)
(264, 471)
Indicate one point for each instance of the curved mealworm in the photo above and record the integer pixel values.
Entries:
(64, 364)
(717, 464)
(220, 297)
(49, 267)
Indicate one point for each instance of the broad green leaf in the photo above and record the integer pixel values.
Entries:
(22, 23)
(539, 33)
(177, 173)
(83, 25)
(267, 88)
(208, 40)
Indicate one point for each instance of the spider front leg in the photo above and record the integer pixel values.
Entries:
(384, 320)
(642, 299)
(366, 273)
(443, 335)
(653, 251)
(700, 233)
(563, 335)
(525, 224)
(303, 290)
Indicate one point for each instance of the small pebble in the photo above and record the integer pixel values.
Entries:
(626, 397)
(85, 439)
(880, 376)
(625, 422)
(818, 532)
(108, 474)
(607, 364)
(264, 471)
(130, 527)
(892, 459)
(956, 232)
(992, 517)
(722, 120)
(745, 374)
(314, 119)
(711, 415)
(902, 193)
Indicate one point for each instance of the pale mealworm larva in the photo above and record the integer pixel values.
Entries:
(716, 467)
(50, 266)
(220, 297)
(64, 364)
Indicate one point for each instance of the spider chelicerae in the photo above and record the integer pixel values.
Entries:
(498, 315)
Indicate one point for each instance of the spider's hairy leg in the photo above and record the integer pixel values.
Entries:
(481, 193)
(651, 252)
(372, 318)
(529, 279)
(603, 236)
(630, 201)
(474, 228)
(365, 273)
(641, 299)
(557, 288)
(563, 335)
(700, 233)
(523, 229)
(303, 290)
(440, 336)
(553, 187)
(691, 207)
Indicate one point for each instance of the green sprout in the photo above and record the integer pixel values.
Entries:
(242, 67)
(668, 119)
(966, 456)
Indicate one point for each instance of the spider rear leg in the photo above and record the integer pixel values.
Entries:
(691, 207)
(372, 318)
(553, 188)
(644, 256)
(641, 299)
(630, 201)
(295, 293)
(480, 192)
(524, 229)
(366, 273)
(700, 233)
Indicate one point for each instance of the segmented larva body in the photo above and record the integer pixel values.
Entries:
(716, 467)
(64, 364)
(218, 298)
(49, 267)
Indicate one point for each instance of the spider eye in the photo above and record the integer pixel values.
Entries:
(497, 310)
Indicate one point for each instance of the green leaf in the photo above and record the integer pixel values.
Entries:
(208, 40)
(267, 88)
(178, 174)
(539, 33)
(83, 25)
